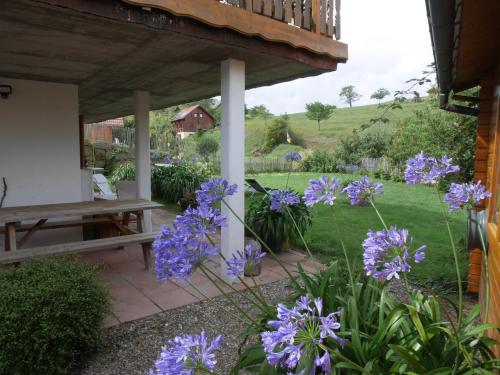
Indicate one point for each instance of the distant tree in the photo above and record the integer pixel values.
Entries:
(349, 95)
(416, 97)
(260, 111)
(318, 112)
(380, 94)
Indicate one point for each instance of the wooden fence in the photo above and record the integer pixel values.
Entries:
(319, 16)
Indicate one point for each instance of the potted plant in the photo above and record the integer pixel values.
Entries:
(277, 227)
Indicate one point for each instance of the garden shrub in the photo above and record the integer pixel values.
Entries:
(51, 316)
(319, 162)
(275, 134)
(123, 172)
(207, 147)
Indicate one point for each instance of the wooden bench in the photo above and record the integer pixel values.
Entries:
(145, 239)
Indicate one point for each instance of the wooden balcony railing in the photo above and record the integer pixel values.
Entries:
(309, 24)
(319, 16)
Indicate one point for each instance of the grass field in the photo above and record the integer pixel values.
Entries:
(413, 207)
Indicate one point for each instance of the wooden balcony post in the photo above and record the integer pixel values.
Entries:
(315, 12)
(337, 19)
(278, 9)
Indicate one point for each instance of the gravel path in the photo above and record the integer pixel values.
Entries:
(132, 348)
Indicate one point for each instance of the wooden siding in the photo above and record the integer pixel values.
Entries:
(192, 122)
(487, 168)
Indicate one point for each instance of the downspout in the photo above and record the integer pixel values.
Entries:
(460, 109)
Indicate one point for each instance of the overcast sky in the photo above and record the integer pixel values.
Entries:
(388, 43)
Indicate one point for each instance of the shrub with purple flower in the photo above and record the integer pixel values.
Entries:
(300, 331)
(281, 199)
(361, 192)
(214, 191)
(293, 156)
(465, 195)
(387, 254)
(243, 260)
(187, 355)
(322, 190)
(422, 169)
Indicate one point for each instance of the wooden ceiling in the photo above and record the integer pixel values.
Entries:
(109, 49)
(479, 42)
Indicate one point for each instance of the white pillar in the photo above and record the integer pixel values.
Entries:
(142, 152)
(233, 152)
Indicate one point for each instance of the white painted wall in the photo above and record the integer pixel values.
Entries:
(39, 144)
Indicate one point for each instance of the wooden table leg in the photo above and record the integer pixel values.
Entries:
(10, 236)
(146, 253)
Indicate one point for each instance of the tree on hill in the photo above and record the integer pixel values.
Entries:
(380, 94)
(349, 95)
(260, 111)
(318, 112)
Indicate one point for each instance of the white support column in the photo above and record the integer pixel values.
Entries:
(142, 152)
(233, 152)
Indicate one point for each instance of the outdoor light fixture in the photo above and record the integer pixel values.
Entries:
(5, 91)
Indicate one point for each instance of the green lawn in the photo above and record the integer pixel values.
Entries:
(413, 207)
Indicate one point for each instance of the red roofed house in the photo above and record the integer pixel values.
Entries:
(187, 121)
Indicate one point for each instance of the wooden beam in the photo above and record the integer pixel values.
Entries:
(10, 236)
(316, 16)
(30, 233)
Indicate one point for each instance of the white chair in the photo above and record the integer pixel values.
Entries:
(105, 192)
(126, 190)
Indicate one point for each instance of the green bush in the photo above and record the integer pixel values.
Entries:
(172, 182)
(319, 162)
(51, 315)
(123, 172)
(275, 134)
(207, 147)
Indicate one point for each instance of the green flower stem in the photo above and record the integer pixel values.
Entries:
(231, 300)
(292, 278)
(455, 255)
(288, 175)
(260, 298)
(486, 268)
(259, 291)
(378, 214)
(218, 277)
(341, 356)
(215, 303)
(299, 232)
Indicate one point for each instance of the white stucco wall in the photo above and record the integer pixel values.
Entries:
(39, 144)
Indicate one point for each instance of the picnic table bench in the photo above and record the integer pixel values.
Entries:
(41, 217)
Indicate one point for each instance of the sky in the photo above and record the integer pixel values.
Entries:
(388, 43)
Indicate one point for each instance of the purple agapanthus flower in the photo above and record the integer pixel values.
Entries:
(298, 330)
(168, 160)
(361, 192)
(465, 195)
(387, 253)
(242, 260)
(322, 190)
(180, 249)
(293, 156)
(214, 191)
(281, 199)
(422, 169)
(187, 355)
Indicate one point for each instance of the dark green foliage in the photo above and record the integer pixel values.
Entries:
(319, 162)
(437, 133)
(369, 144)
(206, 147)
(274, 228)
(123, 172)
(172, 182)
(275, 134)
(51, 315)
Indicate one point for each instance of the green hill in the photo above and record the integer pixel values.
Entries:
(343, 121)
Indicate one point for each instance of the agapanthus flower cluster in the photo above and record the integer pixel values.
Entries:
(214, 191)
(299, 330)
(281, 199)
(187, 355)
(180, 249)
(387, 253)
(322, 190)
(245, 259)
(361, 192)
(423, 169)
(293, 156)
(465, 195)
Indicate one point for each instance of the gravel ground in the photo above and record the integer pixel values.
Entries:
(132, 348)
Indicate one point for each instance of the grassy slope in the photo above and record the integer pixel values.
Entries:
(413, 207)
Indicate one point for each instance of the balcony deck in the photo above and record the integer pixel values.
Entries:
(172, 49)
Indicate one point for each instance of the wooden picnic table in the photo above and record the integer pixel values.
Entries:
(91, 212)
